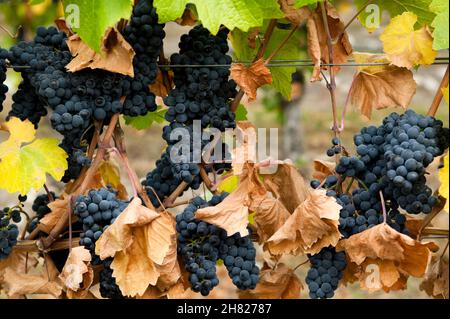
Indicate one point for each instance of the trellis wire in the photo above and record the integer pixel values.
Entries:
(279, 64)
(275, 65)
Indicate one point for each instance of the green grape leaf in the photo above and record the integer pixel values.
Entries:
(241, 113)
(282, 76)
(395, 8)
(241, 14)
(25, 160)
(33, 2)
(440, 24)
(95, 16)
(146, 121)
(302, 3)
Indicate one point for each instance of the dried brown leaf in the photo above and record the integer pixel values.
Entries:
(322, 169)
(312, 226)
(58, 208)
(232, 213)
(77, 274)
(62, 26)
(251, 78)
(293, 14)
(314, 49)
(288, 185)
(391, 251)
(116, 56)
(317, 40)
(251, 37)
(187, 19)
(244, 151)
(377, 87)
(143, 244)
(110, 175)
(435, 282)
(163, 83)
(270, 216)
(278, 283)
(16, 283)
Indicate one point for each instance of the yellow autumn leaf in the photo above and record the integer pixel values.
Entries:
(445, 94)
(443, 178)
(405, 46)
(229, 184)
(25, 161)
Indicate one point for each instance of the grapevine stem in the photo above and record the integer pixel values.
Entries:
(162, 207)
(49, 194)
(92, 146)
(137, 186)
(427, 220)
(177, 192)
(445, 249)
(34, 246)
(262, 49)
(383, 205)
(14, 36)
(281, 45)
(301, 264)
(332, 86)
(180, 203)
(209, 184)
(128, 169)
(63, 221)
(350, 185)
(435, 231)
(438, 97)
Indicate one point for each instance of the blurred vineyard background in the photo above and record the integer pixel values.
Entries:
(310, 111)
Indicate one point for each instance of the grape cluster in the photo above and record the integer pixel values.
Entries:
(198, 245)
(201, 245)
(163, 180)
(40, 207)
(238, 255)
(26, 104)
(146, 37)
(326, 270)
(108, 286)
(412, 143)
(203, 94)
(8, 231)
(393, 158)
(97, 210)
(3, 88)
(77, 99)
(336, 147)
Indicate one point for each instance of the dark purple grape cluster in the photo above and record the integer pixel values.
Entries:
(108, 286)
(40, 207)
(391, 160)
(97, 210)
(238, 255)
(3, 88)
(8, 230)
(203, 93)
(336, 147)
(77, 99)
(26, 104)
(201, 245)
(326, 270)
